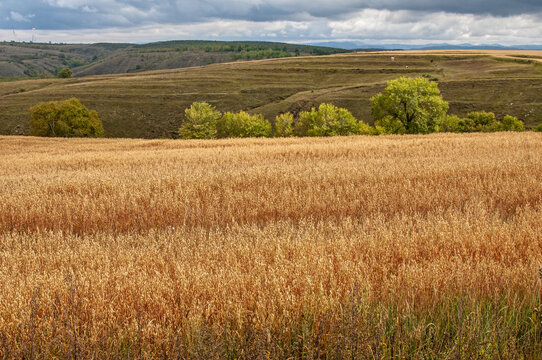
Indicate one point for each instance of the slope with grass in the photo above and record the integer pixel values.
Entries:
(358, 247)
(152, 104)
(44, 60)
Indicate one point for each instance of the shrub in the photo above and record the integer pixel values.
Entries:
(284, 125)
(67, 118)
(242, 124)
(200, 123)
(451, 123)
(64, 73)
(365, 129)
(389, 125)
(328, 120)
(538, 128)
(512, 123)
(484, 121)
(466, 125)
(416, 103)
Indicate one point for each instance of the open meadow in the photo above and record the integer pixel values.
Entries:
(347, 247)
(151, 104)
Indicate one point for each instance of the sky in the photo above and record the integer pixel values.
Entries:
(504, 22)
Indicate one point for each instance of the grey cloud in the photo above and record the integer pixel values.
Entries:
(79, 14)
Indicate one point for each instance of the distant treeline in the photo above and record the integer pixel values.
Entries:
(240, 50)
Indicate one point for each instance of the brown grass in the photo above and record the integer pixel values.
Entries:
(125, 248)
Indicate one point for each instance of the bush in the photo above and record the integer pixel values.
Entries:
(467, 125)
(243, 124)
(415, 103)
(451, 123)
(328, 120)
(200, 123)
(284, 125)
(389, 125)
(484, 121)
(65, 73)
(538, 128)
(365, 129)
(512, 123)
(67, 118)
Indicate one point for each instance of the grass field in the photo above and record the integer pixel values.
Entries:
(356, 247)
(151, 104)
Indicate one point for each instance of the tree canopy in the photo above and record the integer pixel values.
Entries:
(200, 123)
(242, 124)
(68, 118)
(64, 73)
(328, 120)
(409, 106)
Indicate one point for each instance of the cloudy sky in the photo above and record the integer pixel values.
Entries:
(371, 21)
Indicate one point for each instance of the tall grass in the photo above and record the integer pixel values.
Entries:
(358, 247)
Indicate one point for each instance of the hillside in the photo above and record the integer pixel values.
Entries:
(151, 104)
(21, 60)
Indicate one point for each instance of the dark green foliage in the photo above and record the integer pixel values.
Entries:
(456, 124)
(65, 73)
(389, 125)
(244, 47)
(200, 123)
(67, 118)
(261, 54)
(416, 103)
(480, 121)
(538, 128)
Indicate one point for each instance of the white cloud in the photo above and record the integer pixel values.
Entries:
(15, 16)
(375, 25)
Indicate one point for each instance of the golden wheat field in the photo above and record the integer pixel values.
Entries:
(355, 247)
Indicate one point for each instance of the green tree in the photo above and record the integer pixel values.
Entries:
(284, 125)
(242, 124)
(64, 73)
(328, 120)
(512, 123)
(68, 118)
(416, 103)
(200, 123)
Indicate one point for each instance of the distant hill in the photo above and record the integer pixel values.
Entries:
(361, 46)
(34, 60)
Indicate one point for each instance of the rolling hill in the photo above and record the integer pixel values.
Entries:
(151, 104)
(29, 60)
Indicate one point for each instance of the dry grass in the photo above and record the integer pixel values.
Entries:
(416, 246)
